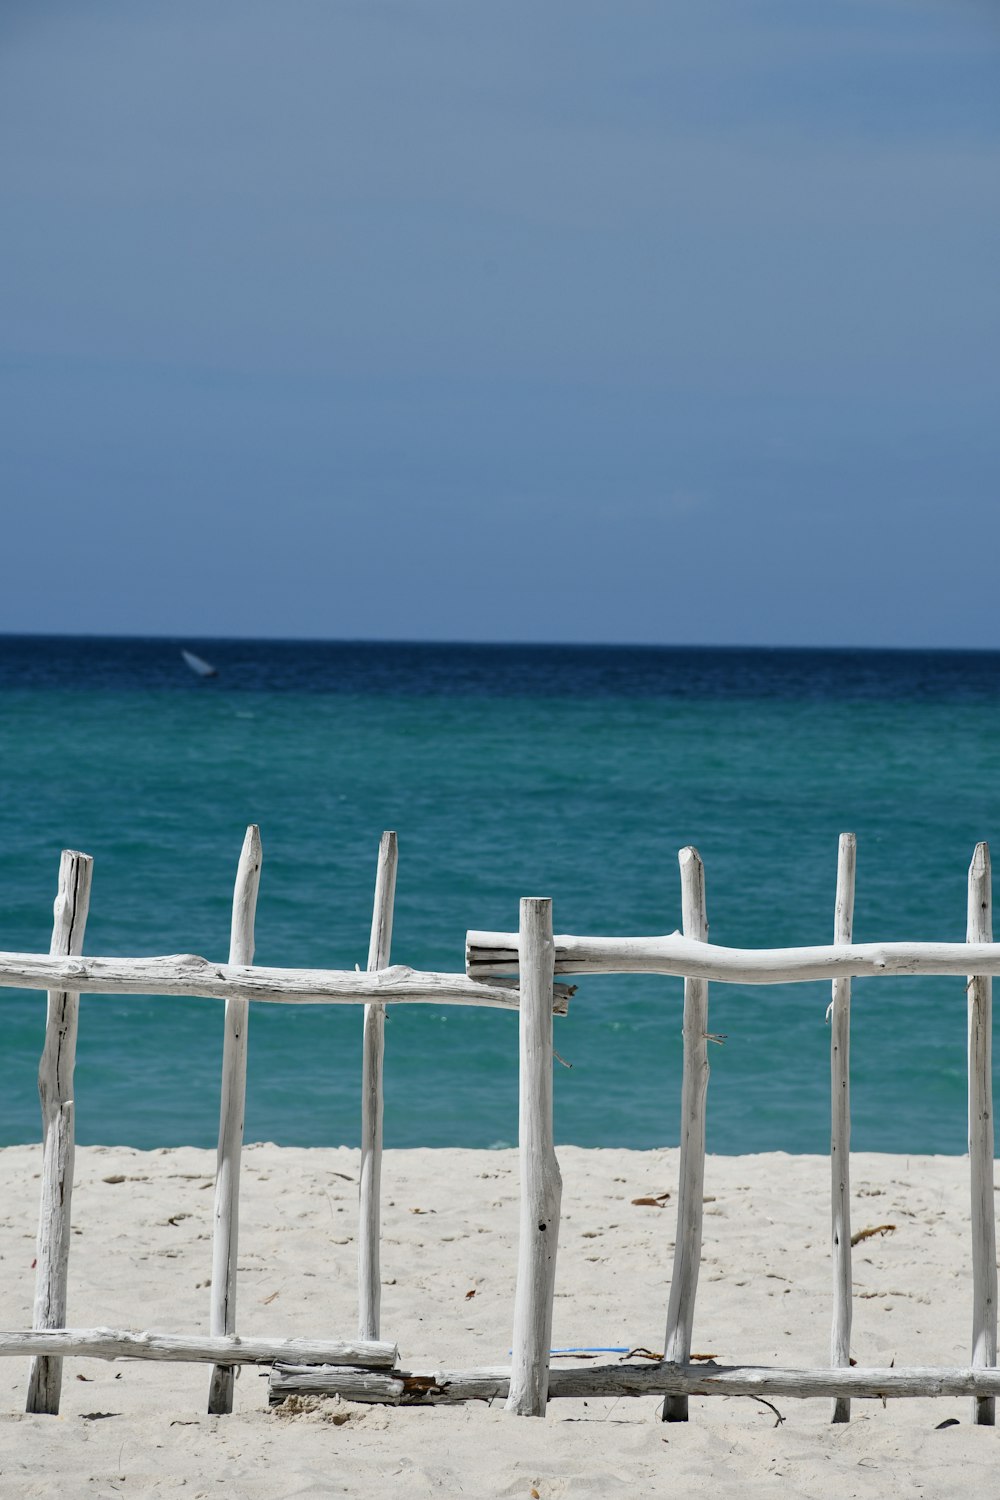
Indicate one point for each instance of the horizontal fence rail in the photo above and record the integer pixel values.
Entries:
(494, 953)
(199, 978)
(434, 1387)
(112, 1343)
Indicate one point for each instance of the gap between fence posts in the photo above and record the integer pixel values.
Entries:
(373, 1047)
(840, 1126)
(541, 1183)
(225, 1245)
(694, 1092)
(55, 1090)
(981, 1144)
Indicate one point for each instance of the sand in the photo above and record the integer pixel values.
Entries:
(142, 1254)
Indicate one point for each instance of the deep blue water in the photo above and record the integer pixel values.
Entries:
(575, 772)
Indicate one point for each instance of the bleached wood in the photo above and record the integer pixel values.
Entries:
(225, 1243)
(981, 1142)
(371, 1386)
(55, 1091)
(541, 1182)
(691, 1186)
(442, 1387)
(187, 974)
(373, 1045)
(840, 1124)
(116, 1343)
(494, 953)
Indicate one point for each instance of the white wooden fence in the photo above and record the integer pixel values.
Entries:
(690, 955)
(367, 1369)
(66, 974)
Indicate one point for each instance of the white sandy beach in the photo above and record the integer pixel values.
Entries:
(141, 1259)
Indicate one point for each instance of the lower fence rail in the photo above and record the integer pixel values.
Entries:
(444, 1387)
(114, 1343)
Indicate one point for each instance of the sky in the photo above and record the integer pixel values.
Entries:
(665, 321)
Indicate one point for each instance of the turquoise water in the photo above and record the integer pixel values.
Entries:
(556, 773)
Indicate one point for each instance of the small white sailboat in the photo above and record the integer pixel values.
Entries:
(199, 665)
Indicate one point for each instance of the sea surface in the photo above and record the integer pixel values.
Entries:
(572, 772)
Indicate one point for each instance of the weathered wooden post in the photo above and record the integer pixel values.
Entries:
(55, 1089)
(225, 1245)
(369, 1216)
(840, 1125)
(694, 1090)
(541, 1183)
(981, 1142)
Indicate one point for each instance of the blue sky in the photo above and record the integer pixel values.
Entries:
(666, 322)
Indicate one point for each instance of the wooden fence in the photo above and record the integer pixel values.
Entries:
(66, 974)
(690, 955)
(367, 1369)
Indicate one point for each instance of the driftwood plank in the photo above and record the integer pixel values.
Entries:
(694, 1091)
(840, 1124)
(441, 1387)
(187, 974)
(373, 1046)
(116, 1343)
(541, 1182)
(984, 1239)
(225, 1244)
(494, 953)
(55, 1090)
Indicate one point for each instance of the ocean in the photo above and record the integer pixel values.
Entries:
(575, 772)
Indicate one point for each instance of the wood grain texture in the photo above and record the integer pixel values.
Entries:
(494, 953)
(443, 1387)
(187, 974)
(115, 1343)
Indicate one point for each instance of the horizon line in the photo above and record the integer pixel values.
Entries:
(310, 640)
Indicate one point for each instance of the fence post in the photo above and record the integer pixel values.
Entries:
(225, 1245)
(840, 1126)
(981, 1143)
(55, 1089)
(369, 1272)
(694, 1091)
(541, 1183)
